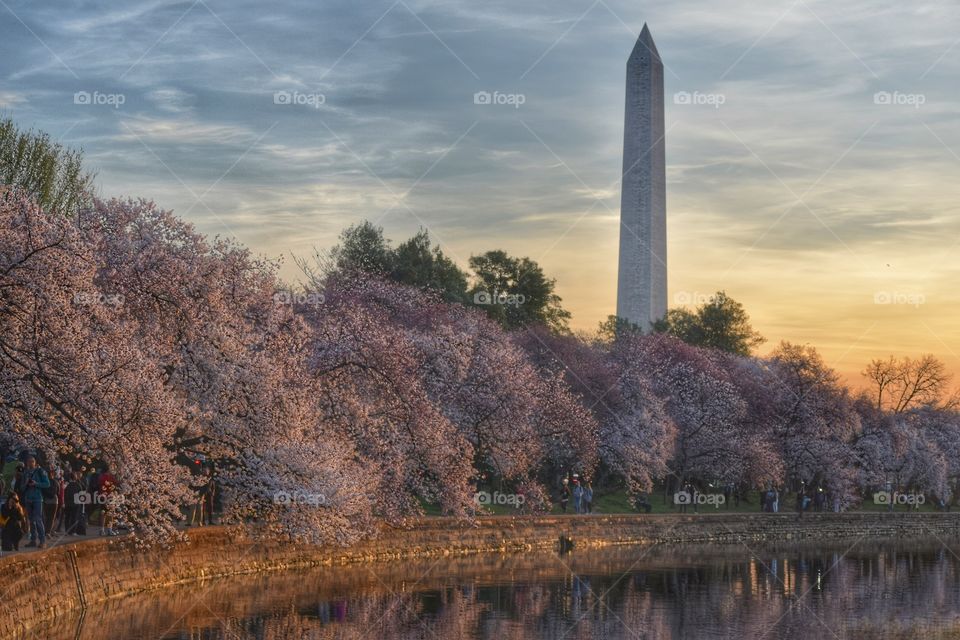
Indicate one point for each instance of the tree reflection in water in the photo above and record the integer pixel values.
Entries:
(882, 592)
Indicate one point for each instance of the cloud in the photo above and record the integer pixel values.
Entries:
(11, 99)
(800, 183)
(170, 131)
(171, 100)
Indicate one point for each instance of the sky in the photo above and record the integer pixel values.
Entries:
(812, 146)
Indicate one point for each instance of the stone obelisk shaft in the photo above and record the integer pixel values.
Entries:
(642, 277)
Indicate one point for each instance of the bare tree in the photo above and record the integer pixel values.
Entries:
(901, 384)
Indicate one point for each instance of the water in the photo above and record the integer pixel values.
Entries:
(864, 591)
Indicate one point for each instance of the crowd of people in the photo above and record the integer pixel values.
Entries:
(810, 498)
(581, 492)
(806, 499)
(42, 499)
(688, 497)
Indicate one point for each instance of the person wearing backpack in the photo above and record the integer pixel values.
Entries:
(32, 484)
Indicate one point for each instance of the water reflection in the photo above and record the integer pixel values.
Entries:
(882, 592)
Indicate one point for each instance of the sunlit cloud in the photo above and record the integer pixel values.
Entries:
(816, 175)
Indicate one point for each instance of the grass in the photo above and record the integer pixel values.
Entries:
(620, 502)
(617, 502)
(868, 505)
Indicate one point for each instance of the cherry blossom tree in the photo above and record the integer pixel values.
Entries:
(705, 407)
(815, 422)
(942, 428)
(128, 338)
(76, 377)
(912, 451)
(635, 435)
(517, 420)
(756, 385)
(373, 390)
(125, 332)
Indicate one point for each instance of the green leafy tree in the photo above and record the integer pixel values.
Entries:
(362, 248)
(515, 292)
(50, 173)
(615, 327)
(721, 323)
(417, 263)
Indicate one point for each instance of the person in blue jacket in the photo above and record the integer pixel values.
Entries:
(33, 480)
(577, 495)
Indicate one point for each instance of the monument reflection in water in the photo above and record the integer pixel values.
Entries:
(654, 593)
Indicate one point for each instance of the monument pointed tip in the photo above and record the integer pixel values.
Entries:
(645, 44)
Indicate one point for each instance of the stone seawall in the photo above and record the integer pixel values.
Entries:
(41, 585)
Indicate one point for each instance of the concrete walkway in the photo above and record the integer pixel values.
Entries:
(59, 538)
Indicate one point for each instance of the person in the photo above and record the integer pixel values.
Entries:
(10, 465)
(196, 514)
(60, 524)
(642, 504)
(776, 500)
(90, 482)
(106, 483)
(685, 497)
(75, 499)
(14, 521)
(209, 495)
(88, 478)
(577, 496)
(51, 501)
(588, 497)
(33, 480)
(564, 495)
(17, 482)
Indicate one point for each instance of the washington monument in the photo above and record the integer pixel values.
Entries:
(642, 276)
